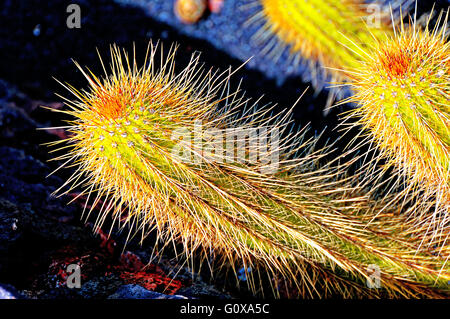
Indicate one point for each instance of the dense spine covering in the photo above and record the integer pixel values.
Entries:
(189, 11)
(402, 90)
(302, 223)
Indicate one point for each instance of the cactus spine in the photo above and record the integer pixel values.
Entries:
(402, 89)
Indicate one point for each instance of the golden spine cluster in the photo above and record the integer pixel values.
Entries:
(402, 94)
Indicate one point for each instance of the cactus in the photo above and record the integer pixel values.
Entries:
(190, 11)
(402, 90)
(296, 218)
(322, 31)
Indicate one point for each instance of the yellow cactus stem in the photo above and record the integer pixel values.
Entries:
(190, 11)
(402, 90)
(321, 31)
(142, 141)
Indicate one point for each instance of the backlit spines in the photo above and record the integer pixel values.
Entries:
(302, 221)
(402, 90)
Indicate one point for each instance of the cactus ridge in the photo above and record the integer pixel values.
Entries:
(303, 224)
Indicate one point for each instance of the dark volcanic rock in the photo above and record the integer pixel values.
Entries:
(138, 292)
(201, 290)
(13, 120)
(99, 287)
